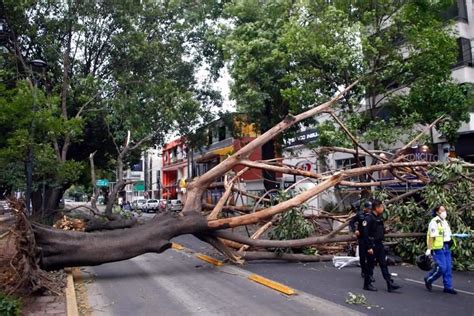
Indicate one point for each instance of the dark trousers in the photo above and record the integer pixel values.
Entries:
(362, 256)
(379, 256)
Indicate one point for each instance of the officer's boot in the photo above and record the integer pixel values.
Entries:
(368, 285)
(392, 286)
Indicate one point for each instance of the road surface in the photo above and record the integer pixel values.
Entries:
(176, 283)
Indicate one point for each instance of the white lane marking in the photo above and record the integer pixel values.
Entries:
(419, 282)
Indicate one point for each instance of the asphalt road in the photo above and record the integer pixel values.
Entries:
(176, 283)
(325, 281)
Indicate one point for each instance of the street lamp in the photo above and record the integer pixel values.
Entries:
(37, 66)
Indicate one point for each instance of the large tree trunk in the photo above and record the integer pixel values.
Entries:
(70, 249)
(118, 186)
(45, 204)
(53, 196)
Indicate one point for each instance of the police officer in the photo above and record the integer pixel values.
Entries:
(439, 242)
(373, 236)
(355, 225)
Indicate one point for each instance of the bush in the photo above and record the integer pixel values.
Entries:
(448, 187)
(292, 224)
(9, 306)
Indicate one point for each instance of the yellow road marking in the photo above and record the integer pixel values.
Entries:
(272, 284)
(210, 259)
(176, 246)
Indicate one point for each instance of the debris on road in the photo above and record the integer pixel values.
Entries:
(345, 261)
(69, 223)
(356, 299)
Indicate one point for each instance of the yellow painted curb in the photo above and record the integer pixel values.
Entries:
(210, 260)
(71, 300)
(272, 284)
(176, 246)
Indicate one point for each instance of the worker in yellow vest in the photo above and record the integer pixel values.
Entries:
(439, 242)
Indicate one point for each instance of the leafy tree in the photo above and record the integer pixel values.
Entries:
(286, 55)
(112, 68)
(451, 188)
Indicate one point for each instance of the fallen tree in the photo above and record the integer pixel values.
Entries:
(58, 248)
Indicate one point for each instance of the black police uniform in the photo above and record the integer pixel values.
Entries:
(374, 232)
(356, 224)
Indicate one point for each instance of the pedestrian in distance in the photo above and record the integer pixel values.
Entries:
(355, 225)
(373, 235)
(439, 240)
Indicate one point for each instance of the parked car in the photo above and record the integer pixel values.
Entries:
(151, 205)
(138, 205)
(162, 205)
(174, 206)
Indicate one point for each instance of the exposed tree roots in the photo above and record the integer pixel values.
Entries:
(20, 272)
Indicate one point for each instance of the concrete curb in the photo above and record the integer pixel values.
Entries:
(71, 300)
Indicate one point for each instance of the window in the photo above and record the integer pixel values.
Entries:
(457, 11)
(209, 137)
(462, 10)
(222, 133)
(137, 166)
(350, 163)
(465, 52)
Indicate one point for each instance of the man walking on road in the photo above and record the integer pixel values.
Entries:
(373, 236)
(355, 225)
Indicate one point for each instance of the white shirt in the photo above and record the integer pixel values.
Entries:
(433, 228)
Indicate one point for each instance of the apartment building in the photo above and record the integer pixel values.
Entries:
(223, 137)
(463, 72)
(298, 153)
(174, 174)
(145, 175)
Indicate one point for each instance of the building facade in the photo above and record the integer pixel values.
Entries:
(298, 154)
(463, 72)
(224, 137)
(174, 174)
(145, 175)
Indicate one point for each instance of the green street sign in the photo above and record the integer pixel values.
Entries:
(102, 183)
(139, 186)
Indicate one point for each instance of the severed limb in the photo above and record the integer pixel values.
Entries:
(220, 204)
(257, 234)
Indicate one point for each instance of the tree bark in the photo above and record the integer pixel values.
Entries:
(61, 248)
(95, 191)
(118, 186)
(299, 243)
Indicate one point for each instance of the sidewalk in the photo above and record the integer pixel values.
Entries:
(44, 305)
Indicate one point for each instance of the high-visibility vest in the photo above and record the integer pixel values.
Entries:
(438, 240)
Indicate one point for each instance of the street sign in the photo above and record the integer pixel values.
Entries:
(139, 186)
(102, 183)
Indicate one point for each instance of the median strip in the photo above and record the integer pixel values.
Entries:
(272, 284)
